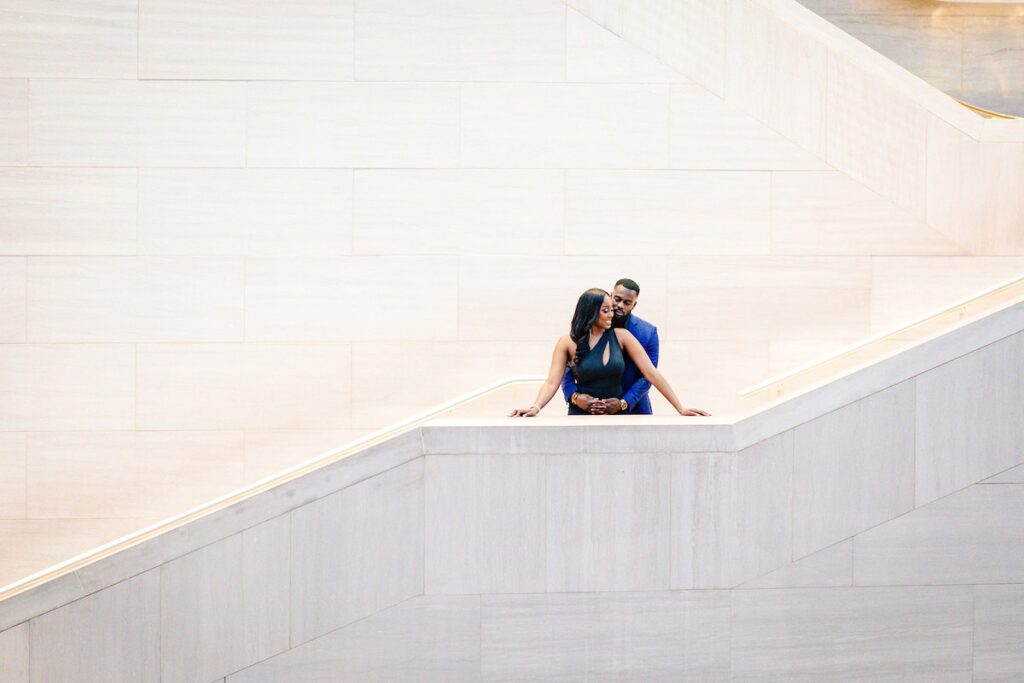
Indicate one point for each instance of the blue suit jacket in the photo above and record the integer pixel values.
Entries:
(634, 385)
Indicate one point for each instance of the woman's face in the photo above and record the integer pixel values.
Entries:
(604, 319)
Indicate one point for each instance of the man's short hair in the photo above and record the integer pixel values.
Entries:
(628, 284)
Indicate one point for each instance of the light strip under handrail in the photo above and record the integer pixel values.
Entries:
(258, 487)
(857, 346)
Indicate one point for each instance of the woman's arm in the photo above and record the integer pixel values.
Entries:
(559, 357)
(636, 351)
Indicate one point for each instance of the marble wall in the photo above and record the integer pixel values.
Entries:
(850, 544)
(859, 111)
(218, 260)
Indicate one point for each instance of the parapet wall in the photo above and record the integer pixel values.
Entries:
(841, 533)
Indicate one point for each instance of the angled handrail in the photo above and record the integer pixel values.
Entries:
(893, 332)
(259, 486)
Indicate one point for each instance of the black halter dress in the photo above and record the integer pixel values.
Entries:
(596, 378)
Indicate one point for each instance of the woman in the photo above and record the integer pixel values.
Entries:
(594, 352)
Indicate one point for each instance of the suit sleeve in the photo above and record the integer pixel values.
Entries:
(641, 386)
(568, 384)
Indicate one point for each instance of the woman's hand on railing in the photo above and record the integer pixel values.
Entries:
(694, 412)
(525, 412)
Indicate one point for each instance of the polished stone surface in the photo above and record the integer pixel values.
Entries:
(66, 39)
(112, 635)
(832, 566)
(863, 634)
(973, 536)
(668, 635)
(13, 292)
(968, 418)
(235, 40)
(731, 514)
(233, 593)
(14, 654)
(608, 522)
(998, 633)
(485, 524)
(357, 551)
(853, 469)
(49, 211)
(428, 638)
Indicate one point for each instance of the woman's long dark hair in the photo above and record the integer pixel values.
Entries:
(588, 310)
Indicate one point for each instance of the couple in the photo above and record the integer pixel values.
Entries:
(597, 378)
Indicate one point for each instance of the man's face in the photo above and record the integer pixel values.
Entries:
(623, 301)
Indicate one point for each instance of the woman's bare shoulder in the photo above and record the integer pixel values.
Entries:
(623, 335)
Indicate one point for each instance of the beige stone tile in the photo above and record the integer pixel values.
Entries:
(233, 592)
(356, 552)
(82, 475)
(135, 299)
(998, 625)
(370, 125)
(486, 280)
(459, 212)
(876, 135)
(111, 635)
(33, 545)
(13, 122)
(538, 125)
(777, 74)
(234, 39)
(667, 635)
(243, 386)
(667, 212)
(968, 419)
(608, 522)
(68, 211)
(67, 386)
(12, 299)
(388, 377)
(14, 654)
(877, 634)
(687, 35)
(829, 213)
(264, 212)
(485, 524)
(973, 190)
(13, 473)
(595, 54)
(904, 289)
(605, 13)
(733, 297)
(427, 638)
(351, 298)
(832, 566)
(731, 514)
(853, 469)
(178, 471)
(268, 452)
(973, 536)
(66, 39)
(710, 133)
(460, 40)
(131, 123)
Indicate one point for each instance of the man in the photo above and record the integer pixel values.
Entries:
(634, 385)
